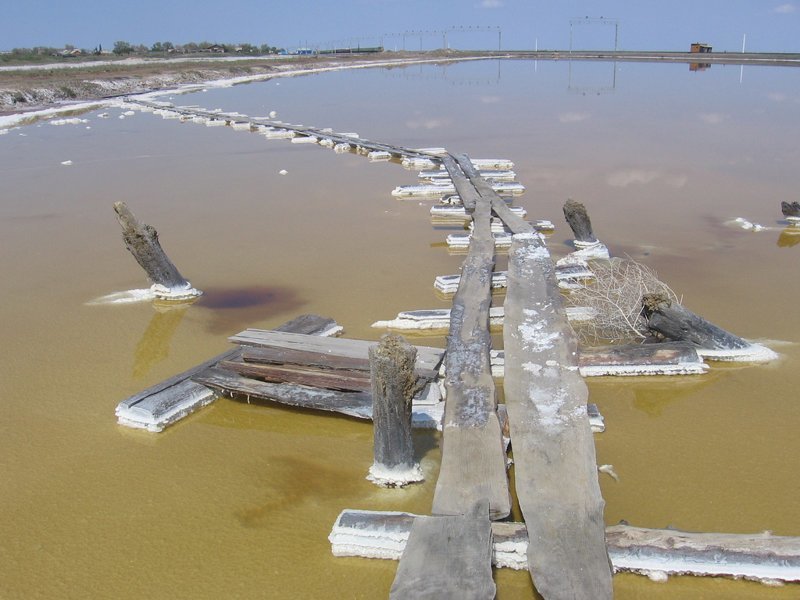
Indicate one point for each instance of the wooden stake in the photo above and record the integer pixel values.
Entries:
(393, 381)
(578, 220)
(142, 242)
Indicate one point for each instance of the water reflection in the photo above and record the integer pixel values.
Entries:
(233, 309)
(789, 237)
(153, 347)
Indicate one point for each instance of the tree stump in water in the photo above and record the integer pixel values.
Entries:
(578, 220)
(141, 240)
(393, 381)
(673, 321)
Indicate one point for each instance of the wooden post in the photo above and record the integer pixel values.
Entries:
(791, 210)
(578, 220)
(393, 379)
(142, 241)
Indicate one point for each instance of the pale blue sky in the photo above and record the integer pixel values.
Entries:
(770, 25)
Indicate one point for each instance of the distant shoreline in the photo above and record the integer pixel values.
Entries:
(26, 88)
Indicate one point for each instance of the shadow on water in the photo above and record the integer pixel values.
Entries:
(234, 309)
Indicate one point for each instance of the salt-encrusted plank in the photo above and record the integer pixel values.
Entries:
(447, 557)
(668, 358)
(448, 284)
(554, 455)
(473, 460)
(654, 552)
(427, 358)
(426, 410)
(172, 399)
(439, 318)
(514, 222)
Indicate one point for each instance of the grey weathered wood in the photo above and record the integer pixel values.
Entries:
(287, 356)
(790, 209)
(447, 557)
(513, 221)
(427, 357)
(338, 379)
(675, 322)
(632, 359)
(393, 387)
(578, 220)
(761, 556)
(141, 240)
(355, 404)
(467, 192)
(170, 400)
(554, 456)
(473, 460)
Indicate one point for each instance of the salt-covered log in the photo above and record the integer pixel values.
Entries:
(142, 242)
(393, 382)
(672, 321)
(578, 220)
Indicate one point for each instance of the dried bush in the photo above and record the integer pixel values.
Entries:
(616, 297)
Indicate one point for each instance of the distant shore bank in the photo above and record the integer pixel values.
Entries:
(26, 88)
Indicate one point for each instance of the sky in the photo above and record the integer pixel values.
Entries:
(763, 25)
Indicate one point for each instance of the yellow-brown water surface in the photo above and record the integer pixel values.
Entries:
(237, 501)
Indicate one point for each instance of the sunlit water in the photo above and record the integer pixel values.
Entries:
(238, 500)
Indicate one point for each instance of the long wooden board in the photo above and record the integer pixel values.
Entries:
(427, 357)
(458, 547)
(473, 461)
(554, 457)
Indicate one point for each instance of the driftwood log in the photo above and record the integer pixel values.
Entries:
(578, 220)
(141, 240)
(393, 384)
(672, 321)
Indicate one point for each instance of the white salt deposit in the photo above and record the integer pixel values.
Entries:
(66, 162)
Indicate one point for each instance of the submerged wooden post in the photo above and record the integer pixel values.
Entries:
(791, 210)
(141, 240)
(578, 220)
(392, 375)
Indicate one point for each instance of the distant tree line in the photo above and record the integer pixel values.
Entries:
(123, 48)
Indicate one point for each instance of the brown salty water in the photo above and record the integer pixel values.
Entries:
(238, 500)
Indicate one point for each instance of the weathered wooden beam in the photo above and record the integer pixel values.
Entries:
(425, 413)
(339, 379)
(666, 358)
(654, 552)
(427, 357)
(473, 461)
(554, 457)
(513, 221)
(393, 386)
(141, 240)
(673, 321)
(447, 557)
(174, 398)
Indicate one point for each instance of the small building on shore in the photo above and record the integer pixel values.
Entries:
(698, 48)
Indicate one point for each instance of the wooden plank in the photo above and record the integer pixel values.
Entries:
(355, 404)
(427, 357)
(513, 221)
(340, 379)
(554, 456)
(447, 557)
(469, 195)
(170, 400)
(425, 413)
(473, 461)
(653, 552)
(667, 358)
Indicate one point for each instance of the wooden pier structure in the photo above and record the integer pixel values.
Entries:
(563, 542)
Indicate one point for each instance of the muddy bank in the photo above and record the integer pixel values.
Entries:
(39, 87)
